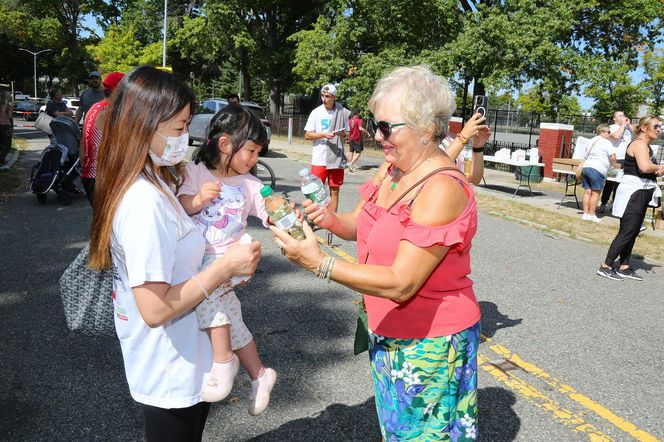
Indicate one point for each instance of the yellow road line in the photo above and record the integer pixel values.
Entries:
(585, 401)
(536, 397)
(575, 422)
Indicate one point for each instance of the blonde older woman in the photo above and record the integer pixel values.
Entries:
(423, 318)
(636, 190)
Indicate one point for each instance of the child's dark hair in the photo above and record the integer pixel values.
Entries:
(239, 125)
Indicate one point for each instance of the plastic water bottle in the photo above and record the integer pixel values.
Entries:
(313, 188)
(281, 214)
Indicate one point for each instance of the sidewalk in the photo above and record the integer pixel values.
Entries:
(498, 184)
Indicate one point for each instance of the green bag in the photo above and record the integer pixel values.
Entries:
(362, 331)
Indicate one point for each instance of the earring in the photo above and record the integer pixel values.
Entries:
(425, 141)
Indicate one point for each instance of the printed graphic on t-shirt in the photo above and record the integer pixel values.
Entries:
(120, 311)
(222, 219)
(325, 124)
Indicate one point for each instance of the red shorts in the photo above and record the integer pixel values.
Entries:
(334, 177)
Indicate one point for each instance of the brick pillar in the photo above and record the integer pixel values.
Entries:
(454, 126)
(551, 140)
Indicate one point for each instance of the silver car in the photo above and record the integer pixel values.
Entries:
(200, 122)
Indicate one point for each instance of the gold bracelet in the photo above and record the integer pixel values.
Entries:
(462, 138)
(328, 277)
(200, 284)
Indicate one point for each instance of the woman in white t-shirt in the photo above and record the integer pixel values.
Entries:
(141, 231)
(599, 157)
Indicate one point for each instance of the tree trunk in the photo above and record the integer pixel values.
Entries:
(272, 80)
(244, 73)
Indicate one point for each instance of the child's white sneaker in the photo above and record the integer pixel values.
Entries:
(260, 392)
(220, 382)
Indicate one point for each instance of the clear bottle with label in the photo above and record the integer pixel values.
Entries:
(281, 214)
(313, 188)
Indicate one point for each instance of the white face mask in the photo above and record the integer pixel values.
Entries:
(174, 152)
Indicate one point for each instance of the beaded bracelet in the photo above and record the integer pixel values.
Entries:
(321, 266)
(207, 295)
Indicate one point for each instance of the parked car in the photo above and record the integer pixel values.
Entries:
(200, 122)
(18, 95)
(71, 102)
(28, 110)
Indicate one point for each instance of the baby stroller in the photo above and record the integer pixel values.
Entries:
(58, 167)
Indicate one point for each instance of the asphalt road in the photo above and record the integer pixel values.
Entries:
(568, 357)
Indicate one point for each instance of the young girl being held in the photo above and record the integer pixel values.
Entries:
(220, 194)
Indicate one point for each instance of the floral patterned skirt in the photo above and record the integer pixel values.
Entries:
(426, 389)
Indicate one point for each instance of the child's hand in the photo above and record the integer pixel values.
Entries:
(208, 192)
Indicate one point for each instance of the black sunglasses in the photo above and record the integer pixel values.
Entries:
(385, 127)
(657, 126)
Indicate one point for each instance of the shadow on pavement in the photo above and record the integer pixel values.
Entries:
(497, 421)
(493, 320)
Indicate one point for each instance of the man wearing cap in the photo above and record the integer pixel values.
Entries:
(327, 127)
(91, 138)
(90, 96)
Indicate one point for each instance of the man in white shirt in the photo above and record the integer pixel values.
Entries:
(327, 127)
(621, 135)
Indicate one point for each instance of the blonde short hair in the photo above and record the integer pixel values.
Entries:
(645, 122)
(425, 100)
(601, 128)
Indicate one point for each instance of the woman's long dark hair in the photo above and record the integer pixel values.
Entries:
(237, 123)
(145, 97)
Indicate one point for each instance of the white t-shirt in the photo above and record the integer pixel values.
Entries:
(621, 144)
(224, 220)
(600, 149)
(319, 121)
(155, 240)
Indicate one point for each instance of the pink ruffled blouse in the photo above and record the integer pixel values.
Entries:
(445, 304)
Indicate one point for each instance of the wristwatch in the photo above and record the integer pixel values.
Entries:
(478, 150)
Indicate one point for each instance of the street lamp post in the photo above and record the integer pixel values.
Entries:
(34, 70)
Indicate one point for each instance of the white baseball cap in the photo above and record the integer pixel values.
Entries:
(330, 89)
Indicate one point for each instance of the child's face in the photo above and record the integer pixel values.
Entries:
(245, 158)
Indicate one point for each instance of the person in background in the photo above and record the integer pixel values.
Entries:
(326, 128)
(140, 230)
(476, 130)
(90, 96)
(356, 129)
(92, 135)
(6, 127)
(55, 106)
(621, 135)
(638, 187)
(233, 99)
(414, 224)
(599, 157)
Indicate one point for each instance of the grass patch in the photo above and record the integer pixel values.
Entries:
(19, 143)
(559, 224)
(11, 180)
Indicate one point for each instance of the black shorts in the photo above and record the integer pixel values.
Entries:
(356, 146)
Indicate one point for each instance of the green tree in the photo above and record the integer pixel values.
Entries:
(653, 83)
(612, 88)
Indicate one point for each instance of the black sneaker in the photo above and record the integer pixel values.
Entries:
(609, 273)
(602, 208)
(628, 273)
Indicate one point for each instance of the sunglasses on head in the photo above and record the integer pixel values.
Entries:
(385, 127)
